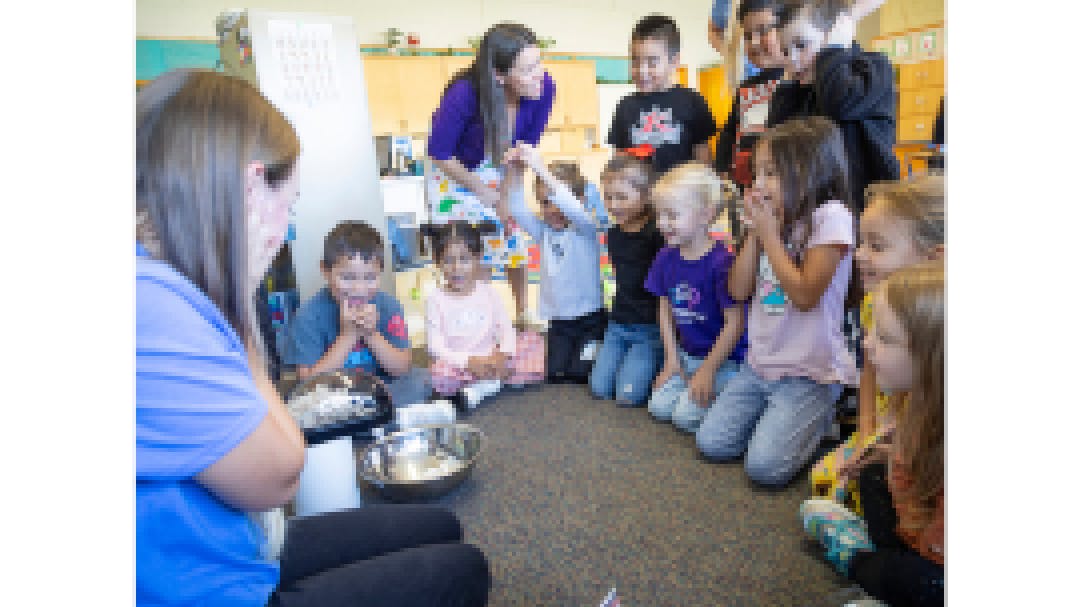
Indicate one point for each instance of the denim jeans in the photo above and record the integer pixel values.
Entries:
(778, 424)
(671, 402)
(627, 363)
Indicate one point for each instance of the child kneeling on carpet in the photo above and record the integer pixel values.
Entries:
(571, 293)
(631, 353)
(896, 551)
(350, 323)
(470, 336)
(793, 268)
(703, 329)
(903, 224)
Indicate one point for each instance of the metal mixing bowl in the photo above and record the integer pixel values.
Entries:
(421, 463)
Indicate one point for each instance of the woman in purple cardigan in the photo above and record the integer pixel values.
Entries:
(504, 97)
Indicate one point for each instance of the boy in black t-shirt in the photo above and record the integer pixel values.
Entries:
(671, 122)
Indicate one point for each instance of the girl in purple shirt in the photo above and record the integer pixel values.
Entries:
(504, 97)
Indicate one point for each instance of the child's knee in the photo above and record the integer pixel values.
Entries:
(770, 466)
(633, 390)
(687, 415)
(717, 444)
(602, 382)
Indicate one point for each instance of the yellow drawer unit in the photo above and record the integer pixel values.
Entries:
(920, 101)
(919, 127)
(926, 74)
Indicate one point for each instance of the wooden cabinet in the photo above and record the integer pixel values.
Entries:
(921, 86)
(403, 92)
(920, 101)
(576, 102)
(922, 75)
(915, 128)
(383, 91)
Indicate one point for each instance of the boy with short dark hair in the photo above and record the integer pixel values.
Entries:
(350, 323)
(669, 123)
(832, 76)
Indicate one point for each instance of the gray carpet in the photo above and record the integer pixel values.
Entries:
(574, 496)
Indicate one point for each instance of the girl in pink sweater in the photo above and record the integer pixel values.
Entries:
(472, 341)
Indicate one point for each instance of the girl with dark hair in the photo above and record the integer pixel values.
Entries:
(215, 447)
(504, 97)
(794, 267)
(473, 344)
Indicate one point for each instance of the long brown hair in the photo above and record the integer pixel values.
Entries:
(809, 155)
(498, 51)
(196, 131)
(916, 294)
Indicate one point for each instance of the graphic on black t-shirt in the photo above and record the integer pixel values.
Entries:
(655, 127)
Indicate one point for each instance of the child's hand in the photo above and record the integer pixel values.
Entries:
(530, 157)
(479, 367)
(666, 373)
(701, 388)
(760, 215)
(500, 365)
(358, 320)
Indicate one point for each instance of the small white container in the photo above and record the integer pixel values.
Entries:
(328, 480)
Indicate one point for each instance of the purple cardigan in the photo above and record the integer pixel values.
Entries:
(457, 130)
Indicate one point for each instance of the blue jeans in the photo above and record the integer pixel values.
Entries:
(628, 361)
(778, 424)
(671, 402)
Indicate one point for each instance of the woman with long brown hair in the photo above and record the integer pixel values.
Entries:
(214, 445)
(503, 97)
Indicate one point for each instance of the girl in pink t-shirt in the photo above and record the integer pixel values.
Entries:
(470, 336)
(794, 267)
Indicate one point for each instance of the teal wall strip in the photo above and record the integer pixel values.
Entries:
(155, 57)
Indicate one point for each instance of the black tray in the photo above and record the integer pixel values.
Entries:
(360, 383)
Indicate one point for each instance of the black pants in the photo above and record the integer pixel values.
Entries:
(565, 341)
(893, 573)
(380, 555)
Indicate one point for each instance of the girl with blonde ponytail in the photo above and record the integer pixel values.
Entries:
(702, 328)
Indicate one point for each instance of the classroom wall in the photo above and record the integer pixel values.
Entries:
(579, 26)
(896, 16)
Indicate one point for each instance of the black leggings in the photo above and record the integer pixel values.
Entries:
(380, 555)
(565, 341)
(893, 573)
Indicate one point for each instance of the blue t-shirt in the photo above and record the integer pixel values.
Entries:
(317, 325)
(195, 400)
(697, 290)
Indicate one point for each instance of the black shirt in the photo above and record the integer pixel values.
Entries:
(632, 254)
(671, 121)
(745, 124)
(856, 89)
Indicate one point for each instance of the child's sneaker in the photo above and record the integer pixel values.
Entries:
(838, 529)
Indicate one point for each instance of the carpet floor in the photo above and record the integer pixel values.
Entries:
(574, 496)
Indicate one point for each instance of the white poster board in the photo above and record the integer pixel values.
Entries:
(309, 67)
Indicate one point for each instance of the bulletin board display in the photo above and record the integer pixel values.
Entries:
(912, 46)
